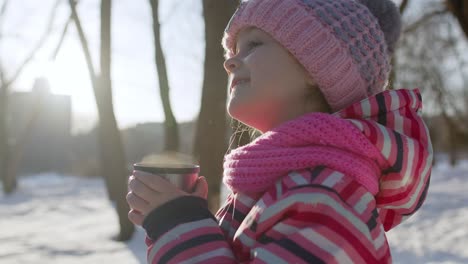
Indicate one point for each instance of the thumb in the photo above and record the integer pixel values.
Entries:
(201, 188)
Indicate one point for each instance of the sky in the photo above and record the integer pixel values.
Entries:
(135, 87)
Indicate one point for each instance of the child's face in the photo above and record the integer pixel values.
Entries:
(276, 86)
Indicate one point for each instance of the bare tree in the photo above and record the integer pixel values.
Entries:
(210, 138)
(459, 9)
(113, 164)
(11, 152)
(171, 130)
(427, 54)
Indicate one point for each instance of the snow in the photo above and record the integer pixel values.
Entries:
(63, 219)
(438, 232)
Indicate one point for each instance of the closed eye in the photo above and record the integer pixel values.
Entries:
(251, 45)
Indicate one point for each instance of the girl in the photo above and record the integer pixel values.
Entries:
(340, 160)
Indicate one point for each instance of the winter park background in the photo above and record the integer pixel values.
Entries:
(54, 196)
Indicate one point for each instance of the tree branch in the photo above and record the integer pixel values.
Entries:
(38, 46)
(424, 19)
(84, 43)
(62, 38)
(403, 6)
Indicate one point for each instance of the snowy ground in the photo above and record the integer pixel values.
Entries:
(66, 220)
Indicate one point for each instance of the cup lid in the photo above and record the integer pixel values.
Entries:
(167, 168)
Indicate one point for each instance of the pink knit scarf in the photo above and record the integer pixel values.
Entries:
(310, 140)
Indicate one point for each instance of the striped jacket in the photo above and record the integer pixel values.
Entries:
(316, 215)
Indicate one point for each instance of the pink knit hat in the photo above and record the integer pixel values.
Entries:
(340, 43)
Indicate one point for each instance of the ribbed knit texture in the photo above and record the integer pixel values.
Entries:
(311, 140)
(339, 43)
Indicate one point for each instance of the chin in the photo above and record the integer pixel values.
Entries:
(246, 117)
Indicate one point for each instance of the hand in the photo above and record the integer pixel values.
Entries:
(147, 192)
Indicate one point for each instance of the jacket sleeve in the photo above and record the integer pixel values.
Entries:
(184, 231)
(309, 224)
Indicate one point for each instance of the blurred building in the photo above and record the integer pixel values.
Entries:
(40, 125)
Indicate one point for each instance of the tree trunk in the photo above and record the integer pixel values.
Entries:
(113, 164)
(171, 132)
(9, 182)
(111, 146)
(9, 156)
(459, 9)
(210, 139)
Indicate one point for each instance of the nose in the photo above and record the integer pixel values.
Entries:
(231, 64)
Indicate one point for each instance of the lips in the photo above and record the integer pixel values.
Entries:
(237, 81)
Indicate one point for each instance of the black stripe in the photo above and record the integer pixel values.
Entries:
(375, 213)
(382, 115)
(238, 216)
(230, 207)
(421, 199)
(181, 210)
(253, 226)
(399, 159)
(298, 251)
(264, 239)
(316, 171)
(372, 223)
(194, 242)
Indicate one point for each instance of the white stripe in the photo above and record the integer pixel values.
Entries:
(244, 199)
(387, 142)
(279, 189)
(366, 108)
(380, 241)
(246, 240)
(413, 98)
(285, 229)
(398, 119)
(361, 206)
(261, 205)
(395, 100)
(409, 160)
(322, 242)
(208, 255)
(267, 256)
(333, 179)
(176, 232)
(398, 123)
(297, 178)
(313, 199)
(357, 123)
(225, 225)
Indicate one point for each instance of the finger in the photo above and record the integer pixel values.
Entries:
(201, 189)
(141, 189)
(137, 203)
(153, 181)
(135, 217)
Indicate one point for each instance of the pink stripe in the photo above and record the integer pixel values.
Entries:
(185, 237)
(202, 249)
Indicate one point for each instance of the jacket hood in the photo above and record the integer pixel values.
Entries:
(392, 122)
